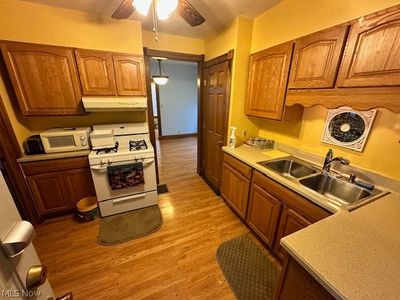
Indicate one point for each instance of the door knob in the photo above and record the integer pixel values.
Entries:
(35, 277)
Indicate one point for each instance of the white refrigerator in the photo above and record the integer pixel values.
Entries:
(13, 271)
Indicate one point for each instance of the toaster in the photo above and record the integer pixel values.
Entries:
(33, 145)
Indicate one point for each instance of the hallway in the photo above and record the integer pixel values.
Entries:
(177, 262)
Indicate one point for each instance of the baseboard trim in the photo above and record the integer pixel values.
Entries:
(176, 136)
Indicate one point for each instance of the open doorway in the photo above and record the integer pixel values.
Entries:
(174, 110)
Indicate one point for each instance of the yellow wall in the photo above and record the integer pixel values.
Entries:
(290, 19)
(27, 22)
(236, 36)
(173, 43)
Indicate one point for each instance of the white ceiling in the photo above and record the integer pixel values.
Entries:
(218, 13)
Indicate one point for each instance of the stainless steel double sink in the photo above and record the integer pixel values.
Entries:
(334, 189)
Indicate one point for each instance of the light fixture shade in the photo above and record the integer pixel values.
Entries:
(142, 6)
(160, 80)
(165, 8)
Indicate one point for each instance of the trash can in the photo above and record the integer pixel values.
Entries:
(87, 209)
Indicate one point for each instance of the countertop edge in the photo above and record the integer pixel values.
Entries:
(50, 156)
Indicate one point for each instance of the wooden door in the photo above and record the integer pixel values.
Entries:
(263, 214)
(78, 184)
(49, 193)
(316, 59)
(267, 83)
(96, 72)
(45, 78)
(129, 75)
(372, 54)
(290, 222)
(235, 189)
(216, 107)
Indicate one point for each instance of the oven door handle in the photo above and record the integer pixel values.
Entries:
(128, 198)
(99, 168)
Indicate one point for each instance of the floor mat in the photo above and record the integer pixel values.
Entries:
(129, 225)
(250, 274)
(162, 188)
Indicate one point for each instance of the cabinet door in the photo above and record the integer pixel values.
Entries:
(129, 74)
(268, 81)
(45, 78)
(235, 189)
(372, 54)
(96, 72)
(263, 214)
(290, 222)
(49, 193)
(316, 59)
(78, 184)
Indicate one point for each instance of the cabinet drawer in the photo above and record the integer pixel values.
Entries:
(116, 206)
(311, 211)
(239, 166)
(54, 165)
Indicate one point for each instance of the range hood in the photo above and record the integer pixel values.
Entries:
(99, 104)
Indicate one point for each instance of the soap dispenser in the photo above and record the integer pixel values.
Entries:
(232, 138)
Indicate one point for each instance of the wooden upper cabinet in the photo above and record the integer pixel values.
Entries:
(129, 74)
(316, 59)
(45, 78)
(372, 54)
(96, 72)
(268, 81)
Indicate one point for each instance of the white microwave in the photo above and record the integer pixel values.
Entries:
(65, 139)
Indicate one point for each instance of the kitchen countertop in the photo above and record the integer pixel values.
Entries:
(48, 156)
(354, 255)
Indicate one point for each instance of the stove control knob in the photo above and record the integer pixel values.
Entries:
(110, 160)
(102, 161)
(83, 143)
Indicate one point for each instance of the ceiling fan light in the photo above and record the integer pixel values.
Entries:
(142, 6)
(160, 80)
(165, 8)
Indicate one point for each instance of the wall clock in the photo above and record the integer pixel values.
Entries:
(348, 128)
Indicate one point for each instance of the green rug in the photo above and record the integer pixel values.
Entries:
(129, 225)
(250, 274)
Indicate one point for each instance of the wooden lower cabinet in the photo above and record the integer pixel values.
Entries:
(49, 193)
(263, 214)
(297, 283)
(290, 222)
(57, 185)
(235, 189)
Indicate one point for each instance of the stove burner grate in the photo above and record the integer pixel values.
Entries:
(108, 150)
(137, 145)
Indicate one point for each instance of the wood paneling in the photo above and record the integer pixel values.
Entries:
(235, 190)
(49, 193)
(263, 214)
(297, 283)
(45, 78)
(316, 59)
(216, 106)
(96, 72)
(129, 75)
(290, 222)
(268, 81)
(372, 52)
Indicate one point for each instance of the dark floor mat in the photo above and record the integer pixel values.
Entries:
(129, 225)
(250, 274)
(162, 188)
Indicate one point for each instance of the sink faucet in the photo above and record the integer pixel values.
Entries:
(329, 159)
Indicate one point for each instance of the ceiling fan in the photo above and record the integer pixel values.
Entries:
(161, 8)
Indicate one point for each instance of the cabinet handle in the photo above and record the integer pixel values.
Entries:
(128, 198)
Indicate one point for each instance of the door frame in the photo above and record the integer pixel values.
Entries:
(11, 151)
(199, 59)
(228, 56)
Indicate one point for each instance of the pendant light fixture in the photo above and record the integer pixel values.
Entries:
(161, 10)
(161, 77)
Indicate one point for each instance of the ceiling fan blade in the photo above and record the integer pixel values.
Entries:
(189, 13)
(124, 10)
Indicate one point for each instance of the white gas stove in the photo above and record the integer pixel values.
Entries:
(124, 175)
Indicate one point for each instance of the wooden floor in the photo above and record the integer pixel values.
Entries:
(177, 262)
